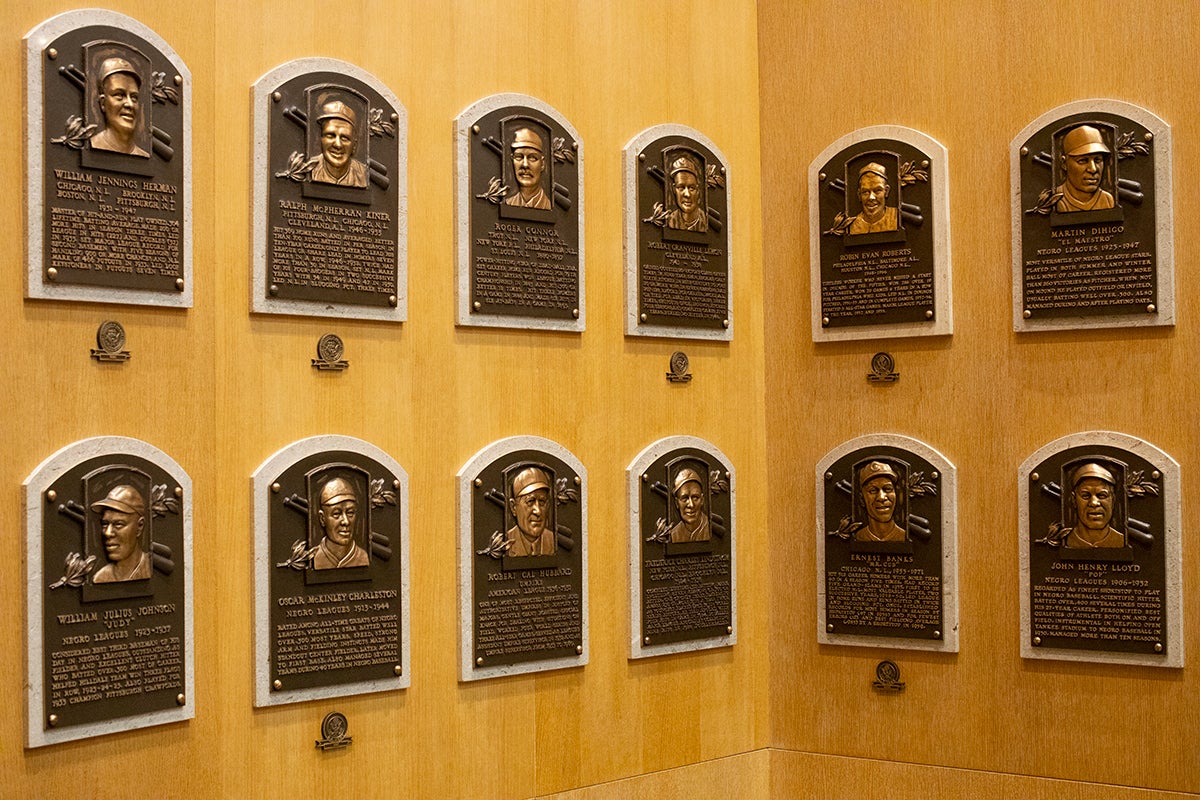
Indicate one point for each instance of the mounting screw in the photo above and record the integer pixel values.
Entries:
(52, 273)
(1150, 309)
(179, 284)
(275, 487)
(278, 684)
(179, 491)
(578, 649)
(53, 720)
(934, 475)
(392, 300)
(575, 313)
(478, 482)
(929, 314)
(1156, 474)
(1158, 647)
(1024, 151)
(273, 289)
(1037, 640)
(276, 97)
(729, 629)
(477, 305)
(578, 481)
(937, 634)
(821, 176)
(396, 483)
(1033, 476)
(643, 317)
(475, 129)
(51, 495)
(725, 323)
(646, 640)
(479, 661)
(1027, 313)
(399, 670)
(825, 322)
(180, 700)
(829, 627)
(53, 55)
(828, 476)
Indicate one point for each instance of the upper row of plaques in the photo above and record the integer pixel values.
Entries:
(109, 176)
(110, 195)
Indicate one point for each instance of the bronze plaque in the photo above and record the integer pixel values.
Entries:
(677, 236)
(335, 604)
(109, 171)
(879, 233)
(1088, 240)
(109, 532)
(331, 230)
(525, 562)
(685, 547)
(520, 195)
(887, 543)
(1100, 549)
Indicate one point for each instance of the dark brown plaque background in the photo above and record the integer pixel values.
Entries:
(878, 278)
(110, 219)
(335, 626)
(524, 262)
(1111, 599)
(886, 589)
(328, 243)
(526, 609)
(687, 587)
(1088, 263)
(112, 650)
(682, 276)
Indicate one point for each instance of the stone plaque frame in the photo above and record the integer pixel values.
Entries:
(284, 185)
(933, 495)
(124, 605)
(1152, 553)
(648, 229)
(649, 487)
(160, 180)
(1143, 213)
(388, 549)
(917, 170)
(483, 133)
(482, 538)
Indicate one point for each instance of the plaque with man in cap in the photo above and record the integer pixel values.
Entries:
(688, 191)
(886, 545)
(330, 226)
(529, 503)
(108, 170)
(1091, 213)
(122, 522)
(529, 162)
(688, 495)
(336, 519)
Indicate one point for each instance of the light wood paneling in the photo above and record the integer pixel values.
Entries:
(221, 390)
(971, 75)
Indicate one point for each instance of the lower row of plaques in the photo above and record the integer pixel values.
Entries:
(109, 530)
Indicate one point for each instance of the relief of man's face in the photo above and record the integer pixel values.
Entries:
(879, 494)
(338, 521)
(119, 103)
(1094, 503)
(1084, 172)
(530, 511)
(690, 499)
(687, 192)
(872, 191)
(337, 145)
(528, 165)
(120, 532)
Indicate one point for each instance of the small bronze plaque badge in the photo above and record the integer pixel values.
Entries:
(330, 228)
(523, 534)
(109, 170)
(520, 216)
(677, 236)
(887, 544)
(682, 535)
(1101, 552)
(332, 561)
(879, 232)
(1092, 243)
(109, 541)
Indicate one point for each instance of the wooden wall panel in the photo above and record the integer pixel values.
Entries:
(971, 75)
(221, 390)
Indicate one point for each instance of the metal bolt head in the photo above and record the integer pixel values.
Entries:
(829, 627)
(925, 163)
(278, 684)
(51, 495)
(1151, 308)
(179, 491)
(179, 80)
(929, 314)
(395, 117)
(276, 97)
(275, 487)
(937, 634)
(179, 284)
(477, 305)
(575, 313)
(822, 176)
(1037, 640)
(53, 720)
(1156, 474)
(392, 300)
(828, 476)
(180, 700)
(578, 649)
(478, 482)
(641, 156)
(578, 481)
(934, 475)
(1149, 137)
(729, 629)
(645, 478)
(396, 483)
(1024, 151)
(643, 317)
(475, 129)
(645, 640)
(479, 661)
(53, 54)
(825, 322)
(1027, 313)
(273, 289)
(1033, 476)
(399, 670)
(725, 323)
(52, 273)
(1158, 647)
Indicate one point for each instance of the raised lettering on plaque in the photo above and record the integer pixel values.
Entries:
(683, 573)
(331, 572)
(1092, 242)
(519, 180)
(886, 546)
(522, 559)
(108, 171)
(1101, 552)
(329, 193)
(108, 525)
(879, 230)
(677, 280)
